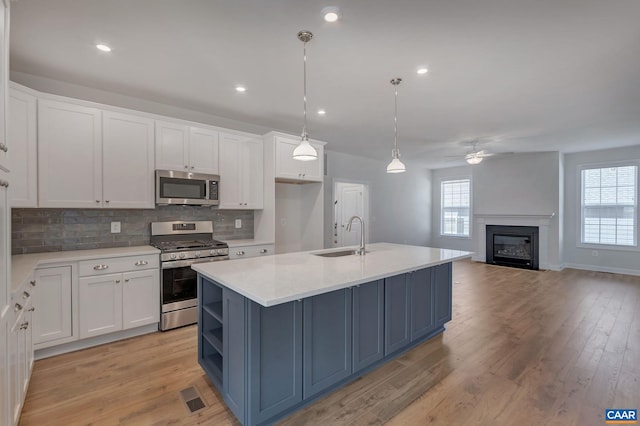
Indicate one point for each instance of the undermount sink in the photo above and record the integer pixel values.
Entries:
(337, 253)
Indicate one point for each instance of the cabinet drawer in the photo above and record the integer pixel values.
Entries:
(118, 264)
(251, 251)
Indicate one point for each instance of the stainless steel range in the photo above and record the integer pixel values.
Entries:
(182, 244)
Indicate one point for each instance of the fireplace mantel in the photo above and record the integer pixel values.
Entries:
(542, 221)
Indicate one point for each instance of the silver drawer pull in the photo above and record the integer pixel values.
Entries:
(32, 309)
(17, 307)
(3, 147)
(25, 295)
(33, 283)
(263, 251)
(101, 267)
(141, 263)
(117, 281)
(4, 183)
(240, 253)
(24, 325)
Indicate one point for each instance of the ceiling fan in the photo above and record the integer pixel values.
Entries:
(475, 156)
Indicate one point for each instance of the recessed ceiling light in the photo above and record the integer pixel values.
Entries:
(241, 89)
(422, 70)
(321, 112)
(331, 13)
(103, 47)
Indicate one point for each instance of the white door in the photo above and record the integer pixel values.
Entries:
(171, 146)
(52, 319)
(350, 202)
(203, 150)
(128, 161)
(140, 298)
(100, 305)
(24, 160)
(69, 155)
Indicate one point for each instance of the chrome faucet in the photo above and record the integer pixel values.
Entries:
(361, 251)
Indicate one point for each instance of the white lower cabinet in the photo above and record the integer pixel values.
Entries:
(110, 302)
(53, 319)
(20, 350)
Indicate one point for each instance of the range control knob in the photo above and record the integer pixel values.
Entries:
(173, 255)
(182, 256)
(197, 254)
(213, 252)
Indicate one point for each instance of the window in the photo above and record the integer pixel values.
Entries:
(456, 207)
(609, 205)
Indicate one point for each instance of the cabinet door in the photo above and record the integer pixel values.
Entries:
(230, 173)
(15, 379)
(326, 340)
(233, 352)
(286, 166)
(442, 280)
(397, 313)
(171, 146)
(69, 155)
(368, 324)
(128, 161)
(5, 400)
(203, 150)
(4, 79)
(52, 320)
(24, 160)
(140, 298)
(314, 170)
(274, 359)
(5, 242)
(252, 174)
(28, 347)
(100, 305)
(422, 315)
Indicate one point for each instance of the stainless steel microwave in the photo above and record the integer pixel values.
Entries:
(178, 187)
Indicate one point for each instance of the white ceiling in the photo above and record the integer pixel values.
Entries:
(521, 75)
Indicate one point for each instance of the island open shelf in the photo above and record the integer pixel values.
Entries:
(271, 359)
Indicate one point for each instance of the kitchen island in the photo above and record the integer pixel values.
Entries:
(278, 332)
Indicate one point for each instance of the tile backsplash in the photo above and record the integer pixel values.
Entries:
(42, 230)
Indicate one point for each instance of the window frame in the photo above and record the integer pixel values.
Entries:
(456, 236)
(580, 210)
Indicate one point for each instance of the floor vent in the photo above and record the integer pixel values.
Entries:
(192, 400)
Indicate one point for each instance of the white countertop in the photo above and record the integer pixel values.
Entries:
(23, 264)
(246, 243)
(271, 280)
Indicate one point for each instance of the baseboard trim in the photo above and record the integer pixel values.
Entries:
(94, 341)
(598, 268)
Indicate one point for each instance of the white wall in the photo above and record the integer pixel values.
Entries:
(400, 204)
(623, 261)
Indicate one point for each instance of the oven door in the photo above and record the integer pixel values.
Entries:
(180, 284)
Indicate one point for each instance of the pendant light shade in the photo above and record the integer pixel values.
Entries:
(304, 151)
(396, 166)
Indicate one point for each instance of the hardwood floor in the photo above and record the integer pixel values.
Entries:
(524, 347)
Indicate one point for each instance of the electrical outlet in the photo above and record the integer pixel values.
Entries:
(238, 223)
(115, 227)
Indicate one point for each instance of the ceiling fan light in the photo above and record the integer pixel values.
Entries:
(473, 159)
(304, 151)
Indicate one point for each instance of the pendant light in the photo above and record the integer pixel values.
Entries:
(304, 151)
(396, 166)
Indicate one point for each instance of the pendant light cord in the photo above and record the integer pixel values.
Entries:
(304, 59)
(395, 119)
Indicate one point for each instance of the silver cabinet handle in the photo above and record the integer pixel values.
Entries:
(192, 167)
(4, 147)
(304, 174)
(117, 281)
(25, 295)
(33, 283)
(17, 307)
(101, 267)
(4, 183)
(141, 263)
(186, 167)
(24, 325)
(263, 251)
(106, 201)
(97, 201)
(240, 253)
(126, 280)
(32, 309)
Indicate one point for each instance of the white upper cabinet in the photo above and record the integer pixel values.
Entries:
(241, 172)
(24, 160)
(69, 152)
(187, 148)
(288, 169)
(4, 80)
(127, 161)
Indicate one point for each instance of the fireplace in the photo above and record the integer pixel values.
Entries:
(515, 246)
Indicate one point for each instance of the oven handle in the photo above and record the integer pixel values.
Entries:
(182, 263)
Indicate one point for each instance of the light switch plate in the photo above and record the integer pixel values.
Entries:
(238, 223)
(115, 227)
